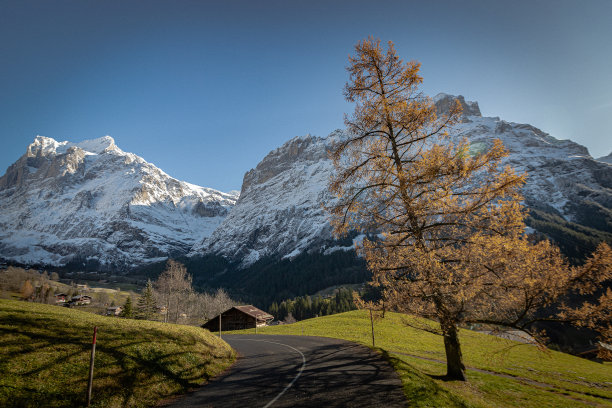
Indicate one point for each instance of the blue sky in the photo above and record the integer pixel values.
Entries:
(204, 90)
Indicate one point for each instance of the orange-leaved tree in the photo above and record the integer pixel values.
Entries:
(449, 224)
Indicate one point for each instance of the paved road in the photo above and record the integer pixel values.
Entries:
(299, 371)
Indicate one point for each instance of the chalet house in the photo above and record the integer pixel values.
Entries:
(80, 300)
(61, 298)
(238, 318)
(114, 310)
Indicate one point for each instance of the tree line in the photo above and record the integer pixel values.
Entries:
(171, 298)
(306, 307)
(30, 284)
(273, 280)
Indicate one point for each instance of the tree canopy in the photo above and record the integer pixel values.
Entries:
(451, 240)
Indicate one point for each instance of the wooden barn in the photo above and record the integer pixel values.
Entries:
(238, 318)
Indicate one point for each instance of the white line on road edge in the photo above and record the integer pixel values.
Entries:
(269, 404)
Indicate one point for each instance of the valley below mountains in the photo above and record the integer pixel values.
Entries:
(90, 204)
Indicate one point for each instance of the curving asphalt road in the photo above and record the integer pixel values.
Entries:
(299, 371)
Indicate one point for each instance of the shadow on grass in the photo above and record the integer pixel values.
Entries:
(440, 377)
(45, 361)
(420, 388)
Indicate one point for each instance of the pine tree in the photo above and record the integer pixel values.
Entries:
(127, 308)
(274, 310)
(282, 310)
(146, 305)
(316, 306)
(329, 309)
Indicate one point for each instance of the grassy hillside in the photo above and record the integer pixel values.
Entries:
(512, 374)
(44, 358)
(13, 278)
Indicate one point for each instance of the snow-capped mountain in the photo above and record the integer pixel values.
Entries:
(280, 212)
(280, 209)
(62, 200)
(561, 173)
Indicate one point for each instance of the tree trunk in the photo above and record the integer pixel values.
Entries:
(455, 370)
(167, 316)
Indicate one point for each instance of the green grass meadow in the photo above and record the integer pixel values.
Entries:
(44, 361)
(45, 352)
(530, 377)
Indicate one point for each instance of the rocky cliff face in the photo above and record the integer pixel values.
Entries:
(280, 213)
(606, 159)
(62, 200)
(445, 101)
(562, 176)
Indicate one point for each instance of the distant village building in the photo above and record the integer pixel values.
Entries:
(60, 298)
(114, 310)
(82, 286)
(238, 318)
(80, 300)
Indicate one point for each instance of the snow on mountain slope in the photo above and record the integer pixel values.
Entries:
(280, 213)
(561, 173)
(92, 200)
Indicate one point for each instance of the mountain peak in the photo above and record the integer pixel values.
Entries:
(98, 145)
(44, 146)
(444, 101)
(90, 200)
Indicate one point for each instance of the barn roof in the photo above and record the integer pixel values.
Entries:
(254, 312)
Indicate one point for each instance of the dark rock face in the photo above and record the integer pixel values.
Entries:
(210, 209)
(283, 159)
(444, 102)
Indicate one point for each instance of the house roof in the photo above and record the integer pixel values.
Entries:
(254, 312)
(81, 297)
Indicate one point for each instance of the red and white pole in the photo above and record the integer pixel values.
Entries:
(91, 365)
